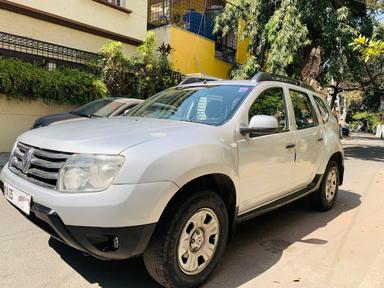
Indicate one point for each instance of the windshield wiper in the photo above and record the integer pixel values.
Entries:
(79, 114)
(94, 116)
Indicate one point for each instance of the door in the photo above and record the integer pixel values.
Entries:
(266, 162)
(309, 139)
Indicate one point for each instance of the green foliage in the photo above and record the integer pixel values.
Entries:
(372, 119)
(112, 66)
(370, 50)
(371, 53)
(140, 76)
(287, 36)
(283, 34)
(27, 81)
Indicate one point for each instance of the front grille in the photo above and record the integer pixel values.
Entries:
(37, 165)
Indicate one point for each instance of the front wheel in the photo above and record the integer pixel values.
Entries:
(189, 241)
(325, 197)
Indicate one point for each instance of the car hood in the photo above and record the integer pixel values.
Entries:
(104, 136)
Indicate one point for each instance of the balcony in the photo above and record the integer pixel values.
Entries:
(196, 16)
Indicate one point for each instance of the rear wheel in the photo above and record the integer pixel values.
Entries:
(189, 241)
(325, 197)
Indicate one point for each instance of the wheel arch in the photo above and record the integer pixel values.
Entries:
(219, 183)
(338, 158)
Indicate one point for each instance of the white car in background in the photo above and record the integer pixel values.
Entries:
(380, 131)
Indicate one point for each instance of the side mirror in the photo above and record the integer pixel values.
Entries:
(261, 125)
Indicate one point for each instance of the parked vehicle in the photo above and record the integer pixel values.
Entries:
(345, 129)
(173, 179)
(380, 131)
(107, 107)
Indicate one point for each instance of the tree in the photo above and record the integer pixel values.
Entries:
(113, 66)
(139, 76)
(371, 52)
(306, 39)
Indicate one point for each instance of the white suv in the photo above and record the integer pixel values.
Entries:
(173, 178)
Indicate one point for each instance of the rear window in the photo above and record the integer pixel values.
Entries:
(322, 108)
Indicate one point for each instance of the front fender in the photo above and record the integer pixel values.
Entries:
(181, 162)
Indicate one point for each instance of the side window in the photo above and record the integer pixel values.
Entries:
(322, 108)
(271, 102)
(304, 112)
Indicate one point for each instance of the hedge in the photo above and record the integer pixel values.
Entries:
(27, 81)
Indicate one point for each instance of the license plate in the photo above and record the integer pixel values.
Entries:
(18, 198)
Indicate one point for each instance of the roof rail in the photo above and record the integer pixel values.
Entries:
(264, 76)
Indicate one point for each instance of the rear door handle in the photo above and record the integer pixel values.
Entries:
(320, 139)
(290, 146)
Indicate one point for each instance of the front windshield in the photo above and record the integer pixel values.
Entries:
(212, 105)
(98, 108)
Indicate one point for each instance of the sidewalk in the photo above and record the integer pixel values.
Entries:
(3, 159)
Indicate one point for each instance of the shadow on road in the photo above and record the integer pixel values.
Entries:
(366, 150)
(258, 245)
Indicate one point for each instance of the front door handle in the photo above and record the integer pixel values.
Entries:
(320, 139)
(290, 146)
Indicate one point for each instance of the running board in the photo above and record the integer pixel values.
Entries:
(313, 186)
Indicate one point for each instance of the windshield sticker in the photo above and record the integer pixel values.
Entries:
(243, 89)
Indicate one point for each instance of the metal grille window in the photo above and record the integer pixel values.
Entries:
(226, 47)
(23, 47)
(159, 12)
(115, 2)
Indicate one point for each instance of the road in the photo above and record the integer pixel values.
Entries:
(291, 247)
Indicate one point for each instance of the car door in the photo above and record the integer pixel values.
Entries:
(309, 138)
(266, 161)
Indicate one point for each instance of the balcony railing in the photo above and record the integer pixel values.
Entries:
(196, 16)
(23, 47)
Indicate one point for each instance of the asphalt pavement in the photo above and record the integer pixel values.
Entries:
(290, 247)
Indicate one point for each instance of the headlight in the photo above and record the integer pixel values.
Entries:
(88, 173)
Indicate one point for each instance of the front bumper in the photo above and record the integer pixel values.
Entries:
(118, 206)
(98, 242)
(92, 222)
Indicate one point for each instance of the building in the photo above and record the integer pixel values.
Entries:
(187, 25)
(61, 32)
(69, 31)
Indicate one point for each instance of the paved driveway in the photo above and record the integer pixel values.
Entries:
(291, 247)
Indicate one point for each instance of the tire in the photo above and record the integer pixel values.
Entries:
(164, 257)
(325, 197)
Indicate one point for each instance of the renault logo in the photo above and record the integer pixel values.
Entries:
(26, 161)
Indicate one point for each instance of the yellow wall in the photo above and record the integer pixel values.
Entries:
(16, 117)
(195, 54)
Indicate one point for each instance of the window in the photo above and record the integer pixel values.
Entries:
(160, 12)
(212, 105)
(116, 2)
(304, 113)
(322, 108)
(226, 47)
(271, 102)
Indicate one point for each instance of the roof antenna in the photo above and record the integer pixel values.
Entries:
(202, 70)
